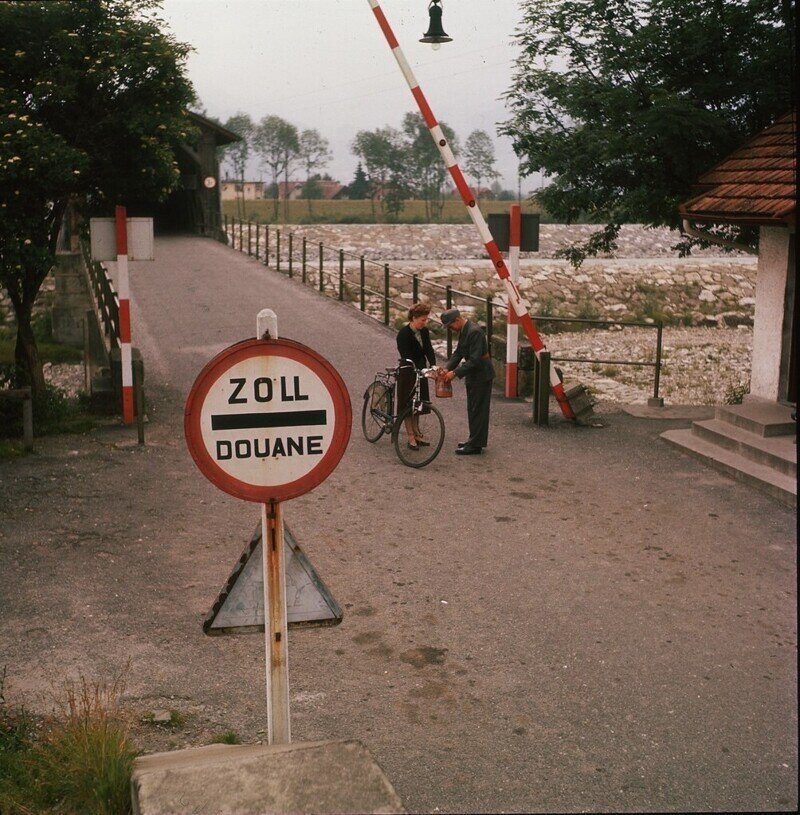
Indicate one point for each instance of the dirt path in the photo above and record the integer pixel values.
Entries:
(580, 619)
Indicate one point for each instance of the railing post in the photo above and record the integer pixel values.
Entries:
(226, 228)
(258, 239)
(361, 283)
(341, 274)
(415, 289)
(241, 232)
(541, 388)
(386, 294)
(291, 241)
(266, 244)
(249, 238)
(321, 279)
(657, 380)
(304, 259)
(448, 299)
(489, 323)
(277, 250)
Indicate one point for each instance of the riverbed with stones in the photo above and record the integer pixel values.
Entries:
(705, 301)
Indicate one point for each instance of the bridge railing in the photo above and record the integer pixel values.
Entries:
(385, 293)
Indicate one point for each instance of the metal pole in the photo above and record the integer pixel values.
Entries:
(341, 274)
(512, 332)
(415, 289)
(258, 239)
(266, 244)
(386, 294)
(277, 250)
(291, 251)
(241, 233)
(361, 282)
(123, 291)
(658, 360)
(249, 238)
(304, 259)
(321, 279)
(519, 305)
(448, 299)
(276, 640)
(489, 323)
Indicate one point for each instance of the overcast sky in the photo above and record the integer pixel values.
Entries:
(325, 64)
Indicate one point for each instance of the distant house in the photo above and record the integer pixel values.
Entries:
(329, 189)
(756, 185)
(231, 190)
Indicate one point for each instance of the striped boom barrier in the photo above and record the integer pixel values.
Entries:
(512, 332)
(515, 301)
(123, 291)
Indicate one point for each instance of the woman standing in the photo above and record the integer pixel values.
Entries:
(414, 343)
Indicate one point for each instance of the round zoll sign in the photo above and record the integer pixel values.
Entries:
(267, 420)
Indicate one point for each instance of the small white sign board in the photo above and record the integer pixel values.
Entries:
(103, 239)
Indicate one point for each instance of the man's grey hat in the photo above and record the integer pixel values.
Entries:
(449, 315)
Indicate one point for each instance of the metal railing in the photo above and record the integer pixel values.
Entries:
(327, 272)
(105, 297)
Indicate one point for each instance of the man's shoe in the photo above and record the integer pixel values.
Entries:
(468, 451)
(462, 444)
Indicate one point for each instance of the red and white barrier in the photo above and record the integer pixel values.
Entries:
(123, 292)
(515, 301)
(512, 332)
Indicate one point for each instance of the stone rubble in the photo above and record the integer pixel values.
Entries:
(706, 300)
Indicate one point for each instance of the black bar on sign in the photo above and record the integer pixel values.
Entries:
(289, 418)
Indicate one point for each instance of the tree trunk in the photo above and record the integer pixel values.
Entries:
(26, 354)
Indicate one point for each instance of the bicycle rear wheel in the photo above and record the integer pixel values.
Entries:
(376, 414)
(431, 426)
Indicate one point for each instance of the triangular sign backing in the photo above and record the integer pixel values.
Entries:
(239, 608)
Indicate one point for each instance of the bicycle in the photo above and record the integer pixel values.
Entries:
(378, 416)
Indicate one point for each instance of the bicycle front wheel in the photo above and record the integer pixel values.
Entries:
(377, 411)
(431, 432)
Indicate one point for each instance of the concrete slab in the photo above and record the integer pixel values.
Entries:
(255, 779)
(760, 416)
(690, 412)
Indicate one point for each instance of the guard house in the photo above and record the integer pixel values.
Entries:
(195, 205)
(756, 186)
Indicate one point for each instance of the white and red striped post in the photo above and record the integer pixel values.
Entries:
(123, 292)
(512, 332)
(515, 301)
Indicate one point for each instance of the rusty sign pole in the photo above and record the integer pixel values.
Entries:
(276, 640)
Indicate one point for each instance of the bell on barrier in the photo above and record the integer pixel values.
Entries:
(435, 35)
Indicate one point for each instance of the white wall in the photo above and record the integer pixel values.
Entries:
(773, 268)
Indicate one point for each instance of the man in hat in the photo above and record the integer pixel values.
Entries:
(471, 362)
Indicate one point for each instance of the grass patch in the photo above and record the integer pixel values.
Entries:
(228, 737)
(77, 760)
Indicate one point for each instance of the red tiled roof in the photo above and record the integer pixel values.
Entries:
(756, 184)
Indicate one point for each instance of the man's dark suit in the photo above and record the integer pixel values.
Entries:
(476, 369)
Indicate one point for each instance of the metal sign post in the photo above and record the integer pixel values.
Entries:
(267, 420)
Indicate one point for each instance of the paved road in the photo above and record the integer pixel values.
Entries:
(580, 620)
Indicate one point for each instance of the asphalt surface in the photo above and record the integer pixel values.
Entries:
(582, 619)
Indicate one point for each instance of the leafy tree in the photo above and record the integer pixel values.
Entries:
(479, 158)
(277, 142)
(624, 103)
(382, 153)
(311, 190)
(425, 165)
(92, 105)
(359, 186)
(237, 153)
(314, 153)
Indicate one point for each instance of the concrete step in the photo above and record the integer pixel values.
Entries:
(760, 417)
(779, 485)
(778, 452)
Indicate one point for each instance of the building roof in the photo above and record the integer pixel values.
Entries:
(755, 185)
(221, 134)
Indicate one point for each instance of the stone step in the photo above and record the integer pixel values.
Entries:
(778, 452)
(778, 485)
(760, 417)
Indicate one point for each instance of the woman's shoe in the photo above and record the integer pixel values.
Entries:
(412, 446)
(422, 443)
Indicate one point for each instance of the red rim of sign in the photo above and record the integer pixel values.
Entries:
(216, 368)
